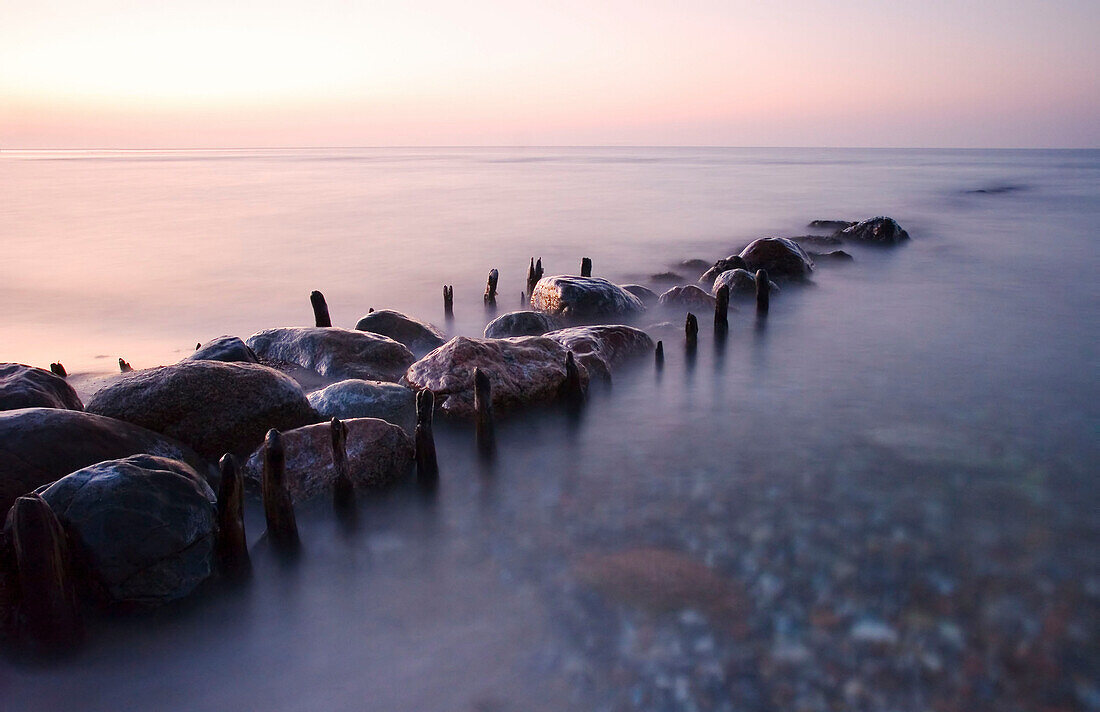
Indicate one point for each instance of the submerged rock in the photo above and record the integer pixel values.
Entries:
(780, 256)
(379, 455)
(599, 349)
(645, 294)
(211, 406)
(722, 265)
(141, 528)
(334, 352)
(521, 371)
(695, 264)
(667, 277)
(417, 336)
(225, 348)
(41, 445)
(742, 283)
(28, 387)
(879, 231)
(520, 323)
(818, 240)
(687, 297)
(832, 256)
(584, 298)
(355, 398)
(830, 224)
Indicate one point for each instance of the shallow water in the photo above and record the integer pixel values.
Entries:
(893, 475)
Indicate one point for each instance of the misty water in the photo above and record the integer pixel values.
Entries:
(883, 496)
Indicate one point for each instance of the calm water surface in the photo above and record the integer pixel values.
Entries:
(883, 497)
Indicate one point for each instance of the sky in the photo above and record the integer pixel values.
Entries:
(225, 73)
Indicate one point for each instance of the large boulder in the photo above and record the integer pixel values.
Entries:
(224, 348)
(28, 387)
(877, 231)
(722, 265)
(212, 406)
(356, 398)
(780, 256)
(584, 299)
(742, 283)
(601, 348)
(141, 528)
(520, 323)
(645, 294)
(687, 297)
(417, 336)
(521, 371)
(334, 352)
(41, 445)
(379, 455)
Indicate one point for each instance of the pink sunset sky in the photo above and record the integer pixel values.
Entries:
(142, 74)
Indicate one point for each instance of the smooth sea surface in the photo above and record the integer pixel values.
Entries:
(882, 497)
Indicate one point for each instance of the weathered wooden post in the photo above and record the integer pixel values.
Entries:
(586, 266)
(343, 491)
(534, 274)
(572, 387)
(763, 290)
(48, 608)
(491, 287)
(320, 309)
(659, 355)
(691, 330)
(449, 301)
(721, 309)
(58, 370)
(427, 466)
(123, 366)
(483, 409)
(231, 546)
(282, 528)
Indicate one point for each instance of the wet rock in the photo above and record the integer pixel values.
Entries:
(878, 231)
(41, 445)
(780, 256)
(742, 283)
(601, 348)
(417, 336)
(355, 398)
(695, 264)
(213, 407)
(28, 387)
(687, 297)
(520, 323)
(833, 225)
(334, 352)
(584, 298)
(522, 371)
(832, 256)
(667, 277)
(379, 455)
(225, 348)
(141, 528)
(645, 294)
(723, 265)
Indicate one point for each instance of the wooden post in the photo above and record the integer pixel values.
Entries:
(531, 281)
(343, 491)
(491, 287)
(721, 308)
(58, 370)
(231, 545)
(427, 466)
(691, 330)
(449, 301)
(320, 309)
(659, 355)
(123, 366)
(763, 289)
(483, 407)
(573, 387)
(586, 266)
(282, 528)
(49, 612)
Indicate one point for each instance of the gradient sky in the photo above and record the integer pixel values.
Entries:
(208, 73)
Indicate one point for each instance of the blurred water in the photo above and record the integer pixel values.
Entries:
(944, 392)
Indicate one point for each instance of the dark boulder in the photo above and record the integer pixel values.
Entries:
(28, 387)
(877, 231)
(780, 256)
(645, 294)
(417, 336)
(723, 265)
(379, 455)
(334, 352)
(832, 256)
(230, 349)
(356, 398)
(521, 371)
(141, 528)
(742, 283)
(833, 225)
(584, 299)
(212, 406)
(599, 349)
(41, 445)
(687, 297)
(520, 323)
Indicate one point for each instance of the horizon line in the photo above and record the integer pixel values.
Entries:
(542, 146)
